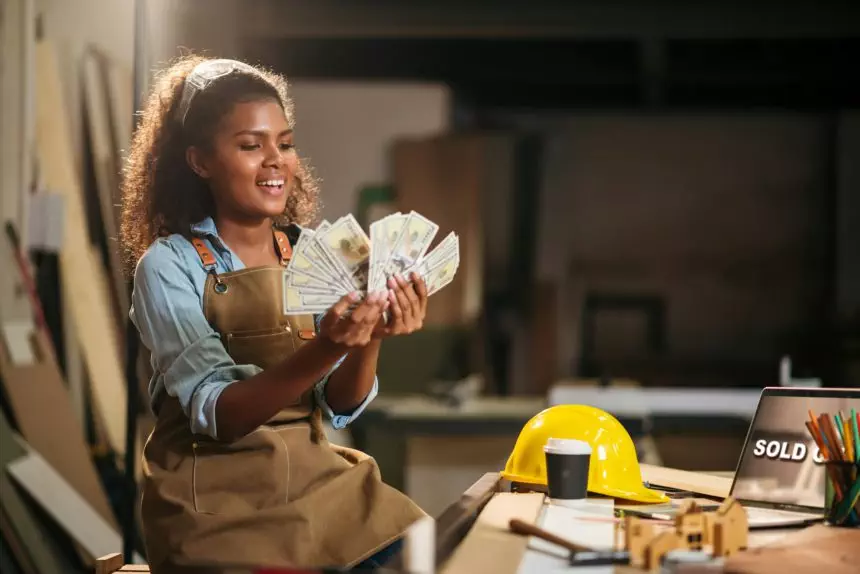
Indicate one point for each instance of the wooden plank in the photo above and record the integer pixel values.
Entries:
(90, 314)
(78, 519)
(697, 482)
(8, 565)
(490, 546)
(106, 175)
(40, 550)
(456, 520)
(121, 100)
(16, 546)
(43, 409)
(109, 564)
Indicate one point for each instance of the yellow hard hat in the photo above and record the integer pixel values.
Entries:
(613, 469)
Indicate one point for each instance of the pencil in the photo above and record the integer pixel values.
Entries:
(855, 424)
(836, 445)
(838, 425)
(815, 426)
(849, 440)
(835, 452)
(818, 442)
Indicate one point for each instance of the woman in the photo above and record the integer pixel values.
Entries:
(238, 469)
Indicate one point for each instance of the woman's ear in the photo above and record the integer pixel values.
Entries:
(196, 161)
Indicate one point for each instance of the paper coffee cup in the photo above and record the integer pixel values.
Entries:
(567, 463)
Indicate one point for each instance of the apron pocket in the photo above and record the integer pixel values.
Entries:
(264, 348)
(245, 476)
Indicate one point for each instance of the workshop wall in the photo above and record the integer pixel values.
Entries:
(346, 130)
(723, 216)
(848, 218)
(77, 26)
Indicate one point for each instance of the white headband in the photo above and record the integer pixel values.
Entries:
(202, 76)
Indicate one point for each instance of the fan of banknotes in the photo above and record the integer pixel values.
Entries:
(338, 258)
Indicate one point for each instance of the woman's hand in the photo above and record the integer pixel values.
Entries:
(356, 329)
(407, 305)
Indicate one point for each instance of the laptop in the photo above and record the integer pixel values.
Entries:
(779, 479)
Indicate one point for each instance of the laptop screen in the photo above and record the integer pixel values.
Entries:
(780, 463)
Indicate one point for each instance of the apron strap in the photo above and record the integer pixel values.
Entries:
(285, 251)
(205, 254)
(282, 242)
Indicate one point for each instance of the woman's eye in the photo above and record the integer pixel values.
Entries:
(287, 146)
(249, 147)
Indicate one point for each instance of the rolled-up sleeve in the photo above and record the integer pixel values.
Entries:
(340, 420)
(185, 349)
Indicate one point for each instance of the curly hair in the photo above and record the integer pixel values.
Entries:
(161, 194)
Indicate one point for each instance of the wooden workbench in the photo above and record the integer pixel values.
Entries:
(473, 535)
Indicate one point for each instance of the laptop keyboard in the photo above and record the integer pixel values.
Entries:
(757, 515)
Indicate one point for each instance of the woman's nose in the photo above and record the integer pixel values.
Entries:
(274, 156)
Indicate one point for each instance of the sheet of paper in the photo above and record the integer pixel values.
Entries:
(588, 524)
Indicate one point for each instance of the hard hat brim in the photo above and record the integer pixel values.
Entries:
(644, 495)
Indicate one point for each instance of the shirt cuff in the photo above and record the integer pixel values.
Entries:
(205, 397)
(341, 420)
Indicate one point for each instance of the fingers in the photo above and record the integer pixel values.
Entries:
(411, 296)
(338, 310)
(394, 306)
(400, 298)
(421, 290)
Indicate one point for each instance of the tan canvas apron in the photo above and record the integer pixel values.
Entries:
(280, 496)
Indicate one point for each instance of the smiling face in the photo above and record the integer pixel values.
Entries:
(250, 162)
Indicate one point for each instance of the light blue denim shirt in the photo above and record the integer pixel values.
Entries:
(188, 359)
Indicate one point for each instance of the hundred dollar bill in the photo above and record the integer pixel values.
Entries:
(437, 254)
(383, 236)
(308, 265)
(297, 278)
(328, 259)
(412, 242)
(348, 245)
(442, 274)
(326, 267)
(297, 303)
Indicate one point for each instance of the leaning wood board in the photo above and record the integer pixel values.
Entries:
(490, 546)
(88, 311)
(37, 547)
(16, 546)
(89, 530)
(105, 167)
(43, 409)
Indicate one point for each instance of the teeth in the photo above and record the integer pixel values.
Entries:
(271, 182)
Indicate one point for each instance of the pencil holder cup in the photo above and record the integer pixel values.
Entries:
(842, 494)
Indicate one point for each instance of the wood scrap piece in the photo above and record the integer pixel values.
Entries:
(121, 99)
(41, 552)
(455, 521)
(80, 521)
(109, 564)
(43, 409)
(15, 545)
(490, 546)
(696, 482)
(7, 560)
(107, 179)
(90, 314)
